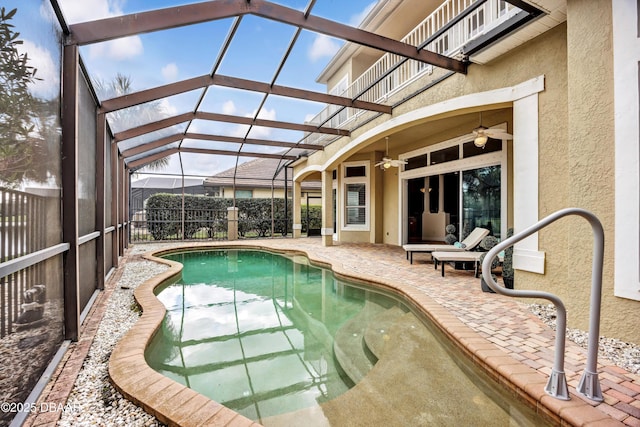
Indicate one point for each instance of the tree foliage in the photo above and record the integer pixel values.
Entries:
(23, 149)
(134, 116)
(164, 217)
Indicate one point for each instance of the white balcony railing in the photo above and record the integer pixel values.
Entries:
(367, 87)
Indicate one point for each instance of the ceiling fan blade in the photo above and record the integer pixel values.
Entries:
(480, 131)
(498, 133)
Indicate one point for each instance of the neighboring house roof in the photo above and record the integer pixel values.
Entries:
(256, 173)
(166, 182)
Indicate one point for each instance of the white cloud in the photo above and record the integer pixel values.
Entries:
(266, 114)
(357, 19)
(256, 131)
(323, 46)
(75, 11)
(229, 107)
(118, 50)
(167, 108)
(195, 164)
(170, 72)
(47, 13)
(48, 85)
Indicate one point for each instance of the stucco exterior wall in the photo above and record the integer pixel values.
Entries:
(576, 159)
(592, 165)
(546, 55)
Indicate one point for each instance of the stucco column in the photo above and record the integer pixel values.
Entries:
(327, 208)
(232, 223)
(297, 210)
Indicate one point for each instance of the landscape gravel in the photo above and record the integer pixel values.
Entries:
(99, 403)
(93, 398)
(623, 354)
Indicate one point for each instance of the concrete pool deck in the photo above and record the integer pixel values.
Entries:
(499, 333)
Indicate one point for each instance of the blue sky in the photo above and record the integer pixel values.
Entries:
(163, 57)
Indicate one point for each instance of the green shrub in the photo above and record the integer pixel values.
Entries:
(208, 214)
(315, 217)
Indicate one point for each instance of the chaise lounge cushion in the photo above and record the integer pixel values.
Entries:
(469, 243)
(442, 257)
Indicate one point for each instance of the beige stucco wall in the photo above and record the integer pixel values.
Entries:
(576, 157)
(591, 163)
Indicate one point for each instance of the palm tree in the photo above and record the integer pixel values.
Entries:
(132, 116)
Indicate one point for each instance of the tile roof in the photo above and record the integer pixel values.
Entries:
(256, 173)
(165, 182)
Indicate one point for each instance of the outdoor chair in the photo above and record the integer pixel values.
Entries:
(468, 244)
(442, 257)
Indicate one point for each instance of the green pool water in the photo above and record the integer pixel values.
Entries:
(284, 342)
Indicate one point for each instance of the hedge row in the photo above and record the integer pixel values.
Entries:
(163, 216)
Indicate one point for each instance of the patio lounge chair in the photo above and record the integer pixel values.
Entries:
(473, 239)
(443, 257)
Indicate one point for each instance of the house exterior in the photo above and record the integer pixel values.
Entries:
(562, 79)
(255, 179)
(565, 86)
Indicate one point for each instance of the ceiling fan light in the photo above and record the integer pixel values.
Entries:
(480, 141)
(386, 164)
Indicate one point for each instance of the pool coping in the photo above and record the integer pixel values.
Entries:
(177, 405)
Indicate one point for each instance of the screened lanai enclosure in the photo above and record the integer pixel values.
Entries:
(100, 146)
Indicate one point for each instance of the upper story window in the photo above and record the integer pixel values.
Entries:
(503, 7)
(441, 45)
(476, 21)
(339, 89)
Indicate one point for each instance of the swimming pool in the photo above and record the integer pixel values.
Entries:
(280, 340)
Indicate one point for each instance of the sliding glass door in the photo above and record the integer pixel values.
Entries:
(481, 200)
(458, 184)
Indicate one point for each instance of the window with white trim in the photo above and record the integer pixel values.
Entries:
(339, 90)
(356, 196)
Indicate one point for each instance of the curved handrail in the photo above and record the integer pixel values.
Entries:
(589, 385)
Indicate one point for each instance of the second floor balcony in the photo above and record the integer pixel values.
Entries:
(456, 29)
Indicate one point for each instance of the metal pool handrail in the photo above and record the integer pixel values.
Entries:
(589, 385)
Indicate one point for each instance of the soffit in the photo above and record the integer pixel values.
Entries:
(556, 14)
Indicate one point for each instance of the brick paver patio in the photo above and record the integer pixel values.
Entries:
(518, 338)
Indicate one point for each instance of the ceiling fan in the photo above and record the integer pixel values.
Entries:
(482, 134)
(387, 161)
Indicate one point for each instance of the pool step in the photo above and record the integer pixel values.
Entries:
(348, 344)
(376, 335)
